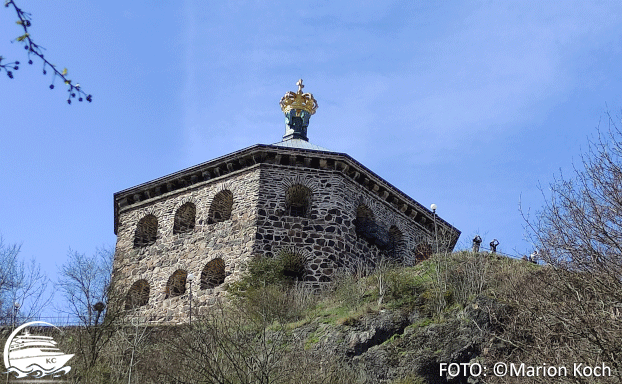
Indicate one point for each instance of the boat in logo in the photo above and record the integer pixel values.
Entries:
(29, 355)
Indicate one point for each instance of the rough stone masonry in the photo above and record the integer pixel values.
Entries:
(210, 220)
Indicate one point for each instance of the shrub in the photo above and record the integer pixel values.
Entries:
(283, 270)
(272, 289)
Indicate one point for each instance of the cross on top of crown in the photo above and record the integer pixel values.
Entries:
(298, 101)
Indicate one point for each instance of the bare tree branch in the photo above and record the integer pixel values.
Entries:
(21, 283)
(25, 21)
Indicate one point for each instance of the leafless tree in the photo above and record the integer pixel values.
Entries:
(227, 345)
(22, 283)
(8, 259)
(574, 304)
(235, 344)
(580, 227)
(84, 282)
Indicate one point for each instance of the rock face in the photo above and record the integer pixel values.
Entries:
(392, 345)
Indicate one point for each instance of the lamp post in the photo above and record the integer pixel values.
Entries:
(99, 308)
(433, 206)
(15, 310)
(190, 278)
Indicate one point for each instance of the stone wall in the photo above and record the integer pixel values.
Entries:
(327, 237)
(231, 240)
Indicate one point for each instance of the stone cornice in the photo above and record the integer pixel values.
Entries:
(272, 154)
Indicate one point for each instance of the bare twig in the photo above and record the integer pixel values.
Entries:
(74, 90)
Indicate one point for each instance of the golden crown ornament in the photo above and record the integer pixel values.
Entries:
(298, 101)
(297, 107)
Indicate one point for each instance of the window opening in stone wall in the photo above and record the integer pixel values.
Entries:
(221, 207)
(368, 229)
(146, 231)
(138, 295)
(184, 218)
(423, 251)
(364, 220)
(293, 263)
(213, 274)
(176, 285)
(298, 200)
(394, 247)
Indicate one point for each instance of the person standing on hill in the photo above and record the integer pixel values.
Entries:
(493, 245)
(476, 242)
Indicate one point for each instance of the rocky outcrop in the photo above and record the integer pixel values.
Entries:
(392, 345)
(375, 330)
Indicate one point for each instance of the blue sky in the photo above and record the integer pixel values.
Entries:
(469, 105)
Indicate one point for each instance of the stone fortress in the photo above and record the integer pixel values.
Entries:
(210, 220)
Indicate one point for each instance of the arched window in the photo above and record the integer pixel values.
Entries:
(138, 295)
(298, 200)
(184, 218)
(394, 248)
(367, 228)
(146, 231)
(293, 262)
(213, 274)
(423, 251)
(176, 285)
(364, 222)
(221, 207)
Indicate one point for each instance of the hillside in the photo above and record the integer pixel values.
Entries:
(390, 325)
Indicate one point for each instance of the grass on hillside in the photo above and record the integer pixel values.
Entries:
(443, 282)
